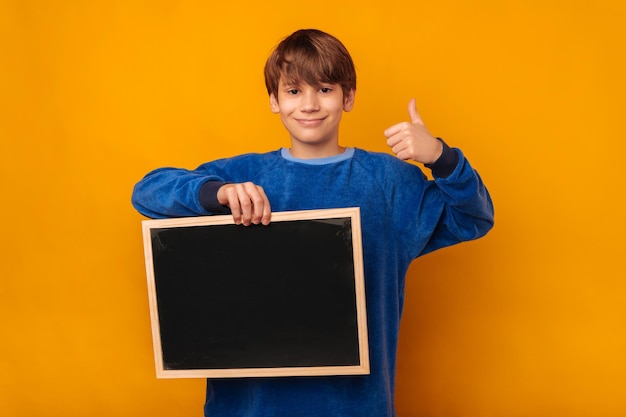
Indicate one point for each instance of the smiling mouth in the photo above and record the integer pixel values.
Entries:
(310, 122)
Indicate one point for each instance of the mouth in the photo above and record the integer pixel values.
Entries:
(310, 122)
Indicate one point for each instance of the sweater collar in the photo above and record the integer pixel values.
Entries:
(347, 154)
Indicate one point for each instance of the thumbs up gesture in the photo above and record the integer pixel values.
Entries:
(411, 140)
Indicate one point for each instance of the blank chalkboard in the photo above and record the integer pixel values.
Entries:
(285, 299)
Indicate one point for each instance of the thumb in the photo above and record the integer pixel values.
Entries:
(415, 117)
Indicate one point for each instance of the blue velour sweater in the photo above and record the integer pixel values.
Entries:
(403, 215)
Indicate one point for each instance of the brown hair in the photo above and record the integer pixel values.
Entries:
(310, 56)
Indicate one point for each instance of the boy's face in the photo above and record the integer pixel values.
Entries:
(311, 114)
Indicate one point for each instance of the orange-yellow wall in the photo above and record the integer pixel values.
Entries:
(529, 321)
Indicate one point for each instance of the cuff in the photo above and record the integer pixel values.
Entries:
(208, 197)
(446, 163)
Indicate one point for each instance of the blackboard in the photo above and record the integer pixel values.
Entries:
(287, 299)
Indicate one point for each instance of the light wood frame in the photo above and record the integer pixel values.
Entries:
(362, 367)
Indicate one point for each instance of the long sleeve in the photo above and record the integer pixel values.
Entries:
(467, 211)
(176, 192)
(171, 192)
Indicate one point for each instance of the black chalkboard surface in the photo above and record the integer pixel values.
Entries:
(285, 299)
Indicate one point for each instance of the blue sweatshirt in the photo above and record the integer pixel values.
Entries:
(403, 215)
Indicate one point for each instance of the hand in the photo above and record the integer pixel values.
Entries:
(247, 202)
(411, 140)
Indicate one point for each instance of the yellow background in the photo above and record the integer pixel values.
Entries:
(529, 321)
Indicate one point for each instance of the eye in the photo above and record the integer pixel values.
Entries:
(326, 89)
(292, 91)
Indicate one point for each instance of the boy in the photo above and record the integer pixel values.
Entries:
(311, 81)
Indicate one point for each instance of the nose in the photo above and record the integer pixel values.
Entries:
(309, 101)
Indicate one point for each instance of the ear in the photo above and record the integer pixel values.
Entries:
(274, 104)
(348, 101)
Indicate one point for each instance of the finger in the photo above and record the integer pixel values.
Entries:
(239, 204)
(394, 140)
(246, 196)
(392, 130)
(399, 150)
(232, 198)
(258, 200)
(413, 114)
(266, 215)
(397, 128)
(403, 155)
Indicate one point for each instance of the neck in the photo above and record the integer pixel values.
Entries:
(305, 151)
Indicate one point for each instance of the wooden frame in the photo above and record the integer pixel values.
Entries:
(286, 299)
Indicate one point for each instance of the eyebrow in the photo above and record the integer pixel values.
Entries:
(298, 84)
